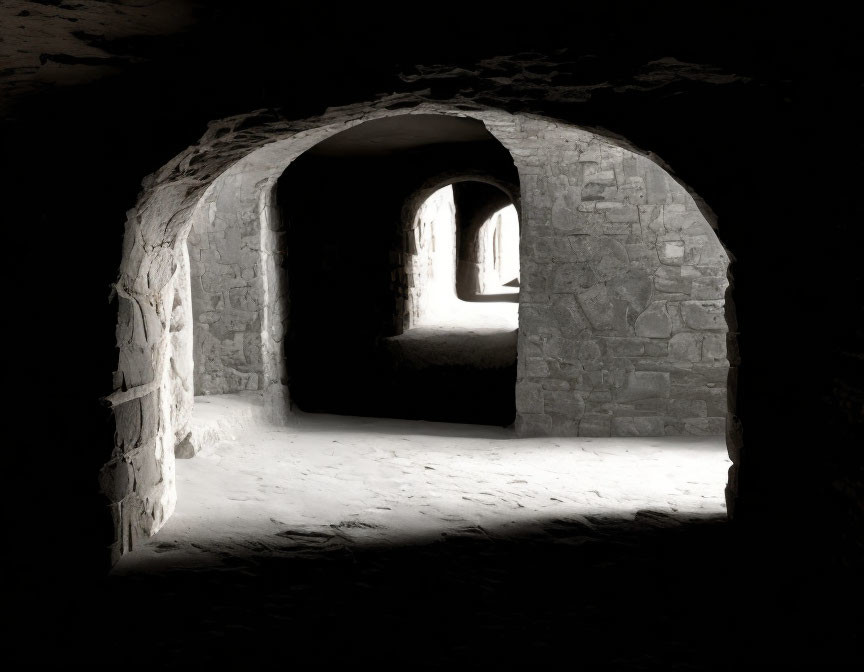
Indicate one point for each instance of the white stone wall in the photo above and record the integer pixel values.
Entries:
(181, 356)
(224, 246)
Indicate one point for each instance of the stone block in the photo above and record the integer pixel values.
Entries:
(531, 347)
(651, 220)
(564, 209)
(654, 321)
(597, 306)
(655, 184)
(677, 218)
(529, 397)
(708, 288)
(669, 279)
(590, 354)
(703, 315)
(146, 468)
(648, 407)
(599, 191)
(562, 349)
(571, 277)
(639, 254)
(644, 385)
(688, 408)
(718, 401)
(233, 319)
(673, 427)
(714, 348)
(700, 375)
(624, 347)
(535, 367)
(671, 252)
(705, 250)
(555, 384)
(591, 381)
(552, 249)
(618, 212)
(244, 299)
(635, 288)
(150, 416)
(606, 256)
(534, 321)
(686, 347)
(531, 424)
(714, 373)
(637, 426)
(619, 229)
(632, 191)
(598, 406)
(115, 480)
(563, 402)
(705, 426)
(595, 424)
(135, 363)
(655, 348)
(185, 448)
(561, 425)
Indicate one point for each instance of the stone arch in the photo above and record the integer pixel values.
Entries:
(466, 231)
(478, 205)
(252, 150)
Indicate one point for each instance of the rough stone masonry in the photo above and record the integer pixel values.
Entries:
(622, 328)
(621, 323)
(621, 305)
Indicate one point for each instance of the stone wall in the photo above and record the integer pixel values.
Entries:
(622, 328)
(239, 304)
(224, 255)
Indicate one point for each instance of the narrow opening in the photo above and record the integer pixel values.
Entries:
(444, 240)
(499, 255)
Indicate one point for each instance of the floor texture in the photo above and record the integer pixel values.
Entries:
(359, 543)
(337, 481)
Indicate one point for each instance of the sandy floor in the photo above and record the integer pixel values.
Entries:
(450, 312)
(367, 481)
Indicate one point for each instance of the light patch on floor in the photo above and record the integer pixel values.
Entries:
(335, 480)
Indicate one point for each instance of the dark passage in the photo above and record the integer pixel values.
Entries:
(347, 205)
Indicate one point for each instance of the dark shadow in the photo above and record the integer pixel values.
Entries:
(656, 592)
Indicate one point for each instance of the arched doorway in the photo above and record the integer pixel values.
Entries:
(621, 328)
(375, 324)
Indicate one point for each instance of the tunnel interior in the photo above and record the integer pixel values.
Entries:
(382, 263)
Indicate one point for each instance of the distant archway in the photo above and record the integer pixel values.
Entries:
(621, 303)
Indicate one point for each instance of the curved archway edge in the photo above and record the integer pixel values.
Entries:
(254, 149)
